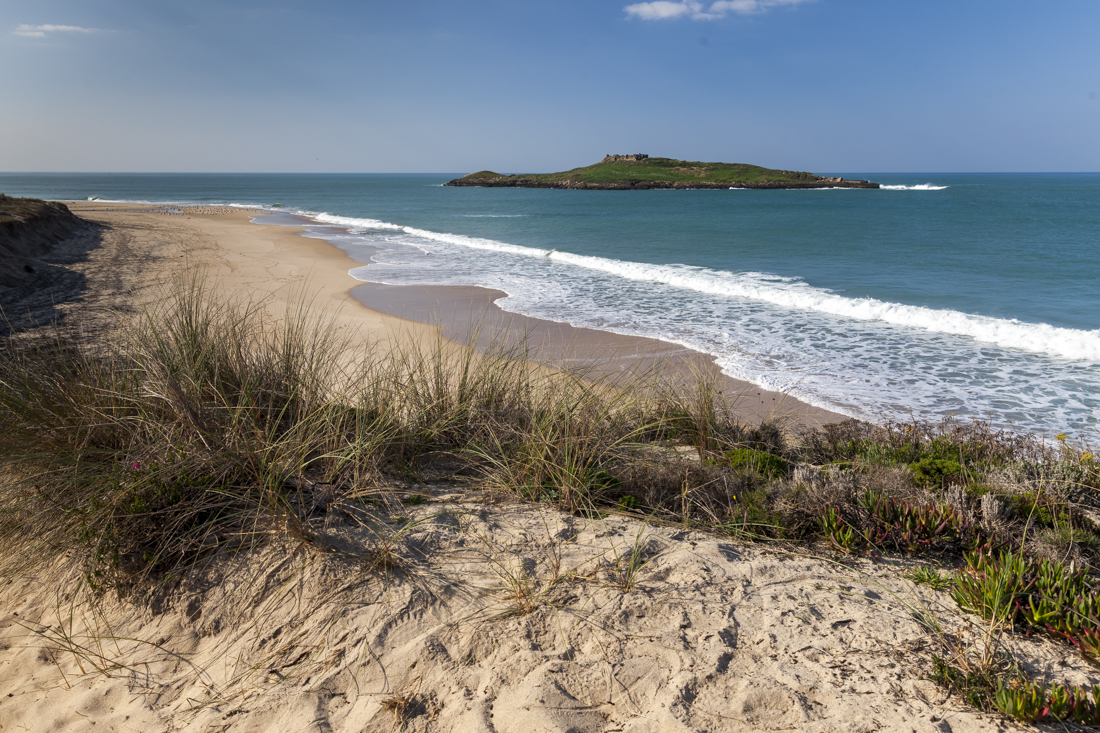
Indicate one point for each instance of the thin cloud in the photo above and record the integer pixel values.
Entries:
(663, 10)
(40, 31)
(668, 10)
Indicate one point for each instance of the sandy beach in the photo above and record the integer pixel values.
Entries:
(710, 635)
(144, 248)
(268, 264)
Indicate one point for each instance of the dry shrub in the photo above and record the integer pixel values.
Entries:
(974, 442)
(662, 481)
(204, 427)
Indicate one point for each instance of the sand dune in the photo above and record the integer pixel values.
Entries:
(708, 636)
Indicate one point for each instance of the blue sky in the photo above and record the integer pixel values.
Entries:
(446, 86)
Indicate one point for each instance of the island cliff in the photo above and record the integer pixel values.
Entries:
(641, 172)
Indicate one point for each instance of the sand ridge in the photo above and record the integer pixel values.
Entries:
(711, 636)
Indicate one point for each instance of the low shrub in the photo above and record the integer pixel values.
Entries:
(881, 522)
(1040, 508)
(760, 463)
(933, 472)
(753, 517)
(974, 446)
(1044, 595)
(1004, 688)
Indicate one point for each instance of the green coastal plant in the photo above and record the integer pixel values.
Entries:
(934, 471)
(1044, 595)
(839, 532)
(1002, 686)
(752, 518)
(761, 463)
(880, 521)
(930, 577)
(629, 503)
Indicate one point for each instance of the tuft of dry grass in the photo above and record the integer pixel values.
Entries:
(625, 563)
(204, 428)
(405, 705)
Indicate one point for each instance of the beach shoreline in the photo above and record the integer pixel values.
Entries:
(462, 311)
(246, 256)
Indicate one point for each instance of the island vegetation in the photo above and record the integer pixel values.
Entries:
(641, 172)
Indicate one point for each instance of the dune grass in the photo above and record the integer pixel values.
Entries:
(22, 209)
(204, 429)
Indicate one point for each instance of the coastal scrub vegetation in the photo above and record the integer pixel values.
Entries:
(669, 169)
(204, 429)
(20, 209)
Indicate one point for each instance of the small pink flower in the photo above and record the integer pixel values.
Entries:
(136, 465)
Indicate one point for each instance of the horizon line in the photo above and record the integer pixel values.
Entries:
(450, 173)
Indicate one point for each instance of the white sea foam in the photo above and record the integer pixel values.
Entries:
(918, 187)
(861, 368)
(356, 223)
(790, 293)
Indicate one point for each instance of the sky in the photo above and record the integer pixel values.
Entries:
(829, 86)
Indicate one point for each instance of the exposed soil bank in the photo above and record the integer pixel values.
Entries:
(29, 229)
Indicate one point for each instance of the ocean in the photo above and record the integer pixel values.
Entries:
(973, 295)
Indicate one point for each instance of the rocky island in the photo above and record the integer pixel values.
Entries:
(640, 172)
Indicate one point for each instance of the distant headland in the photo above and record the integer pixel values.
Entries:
(641, 172)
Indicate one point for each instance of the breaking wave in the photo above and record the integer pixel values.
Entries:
(790, 293)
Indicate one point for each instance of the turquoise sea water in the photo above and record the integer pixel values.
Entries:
(972, 294)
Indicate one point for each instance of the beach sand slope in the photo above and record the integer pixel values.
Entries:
(503, 618)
